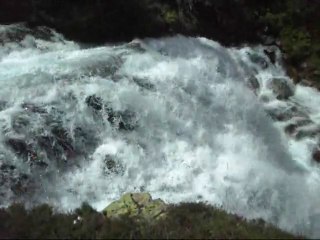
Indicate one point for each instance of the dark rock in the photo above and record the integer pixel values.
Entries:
(21, 184)
(7, 168)
(287, 113)
(58, 145)
(60, 134)
(271, 55)
(316, 155)
(292, 128)
(136, 46)
(11, 179)
(281, 88)
(20, 123)
(20, 147)
(106, 68)
(259, 60)
(307, 132)
(95, 102)
(112, 166)
(33, 108)
(124, 120)
(253, 83)
(3, 105)
(128, 120)
(143, 83)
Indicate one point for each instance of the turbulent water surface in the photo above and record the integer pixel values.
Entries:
(177, 117)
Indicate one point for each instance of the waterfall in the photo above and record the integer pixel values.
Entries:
(183, 118)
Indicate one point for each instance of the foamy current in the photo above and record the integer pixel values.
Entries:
(173, 117)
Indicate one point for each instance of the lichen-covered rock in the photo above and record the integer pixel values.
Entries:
(281, 87)
(136, 205)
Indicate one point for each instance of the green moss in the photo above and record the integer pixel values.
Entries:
(170, 16)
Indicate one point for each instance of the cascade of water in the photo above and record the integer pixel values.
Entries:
(185, 119)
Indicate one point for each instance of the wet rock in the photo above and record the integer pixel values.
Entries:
(143, 83)
(127, 120)
(292, 128)
(136, 46)
(316, 155)
(33, 108)
(11, 180)
(264, 98)
(281, 88)
(20, 123)
(286, 113)
(137, 205)
(3, 105)
(309, 132)
(112, 165)
(105, 68)
(253, 83)
(58, 145)
(95, 102)
(259, 60)
(123, 120)
(20, 147)
(85, 140)
(271, 54)
(7, 168)
(21, 184)
(62, 137)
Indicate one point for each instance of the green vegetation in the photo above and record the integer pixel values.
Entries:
(187, 220)
(296, 25)
(170, 16)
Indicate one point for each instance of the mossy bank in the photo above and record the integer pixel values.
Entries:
(133, 216)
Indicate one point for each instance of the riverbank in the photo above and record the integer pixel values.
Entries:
(183, 221)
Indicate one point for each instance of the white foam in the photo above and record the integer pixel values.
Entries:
(202, 135)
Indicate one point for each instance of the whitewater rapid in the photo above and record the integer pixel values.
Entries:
(185, 126)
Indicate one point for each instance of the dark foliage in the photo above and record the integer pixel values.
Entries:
(187, 220)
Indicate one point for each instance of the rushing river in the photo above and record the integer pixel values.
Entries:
(185, 119)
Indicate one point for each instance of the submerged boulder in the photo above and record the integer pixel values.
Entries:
(316, 155)
(137, 205)
(13, 181)
(20, 147)
(293, 128)
(282, 88)
(3, 105)
(253, 83)
(259, 60)
(94, 102)
(271, 54)
(112, 165)
(288, 112)
(308, 132)
(123, 120)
